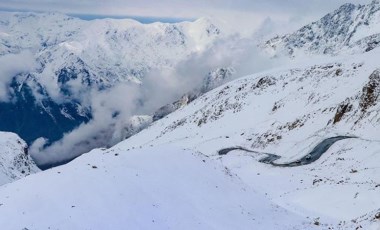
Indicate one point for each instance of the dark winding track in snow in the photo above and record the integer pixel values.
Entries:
(309, 158)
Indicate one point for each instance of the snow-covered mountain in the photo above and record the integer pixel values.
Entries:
(350, 29)
(72, 58)
(262, 145)
(287, 113)
(295, 147)
(15, 162)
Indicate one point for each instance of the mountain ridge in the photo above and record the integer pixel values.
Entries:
(70, 64)
(338, 30)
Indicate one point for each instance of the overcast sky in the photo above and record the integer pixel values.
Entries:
(246, 11)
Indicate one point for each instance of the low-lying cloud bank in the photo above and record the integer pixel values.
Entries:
(12, 65)
(113, 108)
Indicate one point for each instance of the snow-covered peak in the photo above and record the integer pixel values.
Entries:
(124, 49)
(34, 30)
(211, 25)
(349, 29)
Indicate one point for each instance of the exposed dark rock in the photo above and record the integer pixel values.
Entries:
(341, 111)
(370, 92)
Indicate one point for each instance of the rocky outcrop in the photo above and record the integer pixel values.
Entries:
(15, 162)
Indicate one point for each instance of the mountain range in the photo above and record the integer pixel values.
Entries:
(349, 29)
(73, 59)
(291, 147)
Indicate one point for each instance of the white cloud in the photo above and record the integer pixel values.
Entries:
(113, 108)
(12, 65)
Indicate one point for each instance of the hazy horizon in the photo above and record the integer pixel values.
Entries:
(245, 15)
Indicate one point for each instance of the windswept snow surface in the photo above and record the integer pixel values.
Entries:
(150, 188)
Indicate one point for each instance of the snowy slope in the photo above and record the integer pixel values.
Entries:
(287, 112)
(349, 29)
(171, 175)
(15, 163)
(152, 188)
(234, 158)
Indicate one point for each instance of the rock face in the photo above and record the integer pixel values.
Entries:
(15, 163)
(217, 78)
(135, 125)
(371, 92)
(211, 81)
(169, 108)
(351, 28)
